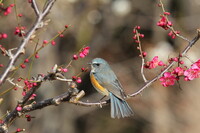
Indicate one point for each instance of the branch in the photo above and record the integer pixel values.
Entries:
(26, 38)
(35, 7)
(42, 104)
(65, 97)
(15, 113)
(74, 98)
(191, 43)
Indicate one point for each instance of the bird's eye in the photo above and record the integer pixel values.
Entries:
(97, 64)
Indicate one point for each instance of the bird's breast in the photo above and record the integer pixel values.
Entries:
(97, 86)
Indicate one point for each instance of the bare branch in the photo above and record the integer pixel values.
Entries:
(35, 7)
(48, 7)
(59, 99)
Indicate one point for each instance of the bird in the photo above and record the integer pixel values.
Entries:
(106, 83)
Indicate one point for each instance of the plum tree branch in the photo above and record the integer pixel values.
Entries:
(24, 42)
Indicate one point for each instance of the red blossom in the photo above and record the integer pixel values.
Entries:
(164, 23)
(23, 66)
(167, 13)
(4, 35)
(173, 34)
(74, 78)
(45, 42)
(20, 31)
(191, 74)
(84, 52)
(179, 71)
(15, 88)
(28, 117)
(20, 15)
(168, 79)
(144, 54)
(32, 96)
(37, 56)
(53, 43)
(153, 63)
(64, 70)
(18, 108)
(75, 57)
(26, 60)
(8, 10)
(19, 79)
(78, 80)
(66, 26)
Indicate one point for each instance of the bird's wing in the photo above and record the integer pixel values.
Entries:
(111, 83)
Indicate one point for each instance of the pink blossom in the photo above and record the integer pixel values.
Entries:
(154, 63)
(78, 80)
(75, 57)
(19, 108)
(168, 79)
(64, 70)
(81, 55)
(84, 52)
(163, 22)
(53, 43)
(178, 71)
(191, 74)
(23, 93)
(196, 65)
(160, 63)
(32, 96)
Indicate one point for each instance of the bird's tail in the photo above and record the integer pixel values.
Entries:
(119, 107)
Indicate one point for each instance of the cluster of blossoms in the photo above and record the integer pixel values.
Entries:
(169, 78)
(28, 117)
(82, 54)
(193, 72)
(77, 79)
(163, 22)
(166, 24)
(28, 85)
(137, 34)
(173, 34)
(20, 31)
(153, 63)
(6, 10)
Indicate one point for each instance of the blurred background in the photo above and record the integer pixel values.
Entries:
(106, 26)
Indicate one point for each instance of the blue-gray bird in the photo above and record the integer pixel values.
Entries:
(105, 82)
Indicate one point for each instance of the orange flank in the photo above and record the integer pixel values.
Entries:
(98, 87)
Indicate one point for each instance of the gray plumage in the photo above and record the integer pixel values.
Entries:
(107, 79)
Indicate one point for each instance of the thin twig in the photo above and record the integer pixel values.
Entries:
(142, 56)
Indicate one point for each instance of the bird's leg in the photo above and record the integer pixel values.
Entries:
(101, 100)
